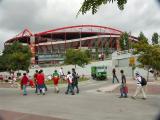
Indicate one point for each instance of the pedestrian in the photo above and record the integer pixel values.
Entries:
(61, 73)
(69, 81)
(114, 75)
(55, 81)
(44, 80)
(35, 80)
(141, 86)
(75, 80)
(24, 82)
(40, 83)
(123, 86)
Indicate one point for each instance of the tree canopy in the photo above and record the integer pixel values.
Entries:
(124, 41)
(94, 5)
(143, 38)
(149, 55)
(15, 57)
(76, 57)
(155, 37)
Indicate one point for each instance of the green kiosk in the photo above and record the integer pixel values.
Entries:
(99, 72)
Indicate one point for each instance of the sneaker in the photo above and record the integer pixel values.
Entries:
(66, 92)
(133, 97)
(144, 98)
(120, 96)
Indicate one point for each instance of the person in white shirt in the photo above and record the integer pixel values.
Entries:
(139, 88)
(61, 73)
(69, 80)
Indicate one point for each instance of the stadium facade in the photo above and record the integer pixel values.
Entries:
(49, 47)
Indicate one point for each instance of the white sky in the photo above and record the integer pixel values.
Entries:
(42, 15)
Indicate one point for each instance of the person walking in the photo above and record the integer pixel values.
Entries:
(55, 81)
(69, 80)
(61, 73)
(35, 80)
(141, 86)
(123, 86)
(40, 83)
(24, 82)
(45, 86)
(114, 75)
(75, 80)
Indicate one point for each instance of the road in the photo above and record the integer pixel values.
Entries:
(88, 105)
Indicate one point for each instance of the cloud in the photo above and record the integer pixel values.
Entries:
(17, 14)
(41, 15)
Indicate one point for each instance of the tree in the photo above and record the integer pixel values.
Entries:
(76, 57)
(149, 55)
(155, 38)
(95, 4)
(16, 57)
(143, 38)
(124, 41)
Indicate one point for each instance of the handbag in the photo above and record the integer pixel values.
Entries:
(125, 89)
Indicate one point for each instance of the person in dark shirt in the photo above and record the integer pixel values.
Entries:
(114, 75)
(75, 80)
(123, 86)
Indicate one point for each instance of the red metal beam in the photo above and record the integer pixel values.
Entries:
(80, 26)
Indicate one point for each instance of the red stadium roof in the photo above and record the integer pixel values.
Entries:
(70, 29)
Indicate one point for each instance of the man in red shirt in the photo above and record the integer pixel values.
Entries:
(40, 82)
(24, 82)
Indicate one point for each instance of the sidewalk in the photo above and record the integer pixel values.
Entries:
(152, 87)
(9, 115)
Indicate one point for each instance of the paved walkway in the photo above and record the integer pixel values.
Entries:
(10, 115)
(91, 105)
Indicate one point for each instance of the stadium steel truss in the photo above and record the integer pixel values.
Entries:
(49, 46)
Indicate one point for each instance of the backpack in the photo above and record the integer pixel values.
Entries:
(143, 81)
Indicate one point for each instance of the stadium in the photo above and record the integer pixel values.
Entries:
(49, 47)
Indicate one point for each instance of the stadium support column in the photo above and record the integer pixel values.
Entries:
(118, 44)
(80, 42)
(65, 42)
(32, 47)
(111, 42)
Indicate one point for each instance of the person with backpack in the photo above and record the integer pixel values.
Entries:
(141, 86)
(69, 80)
(75, 80)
